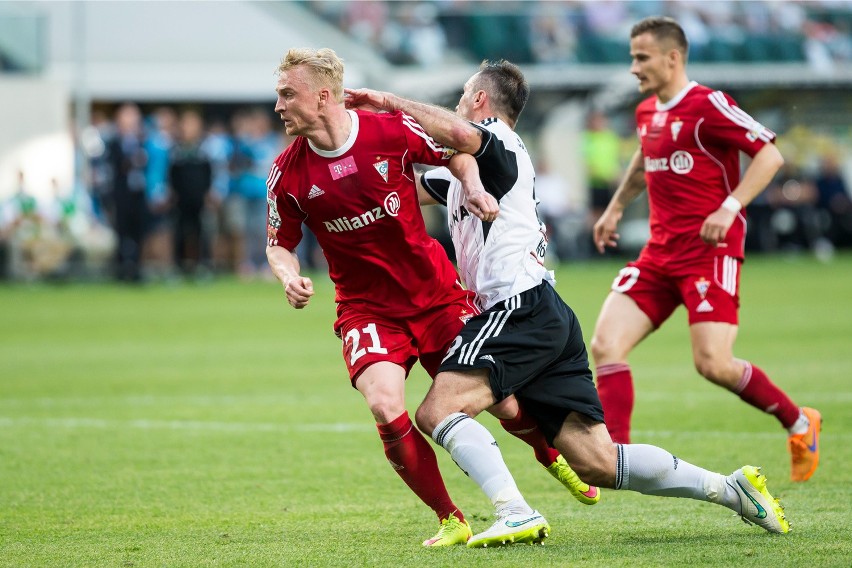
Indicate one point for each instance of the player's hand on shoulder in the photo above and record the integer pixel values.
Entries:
(364, 99)
(299, 291)
(716, 226)
(603, 233)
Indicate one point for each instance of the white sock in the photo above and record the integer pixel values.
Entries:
(654, 471)
(475, 451)
(801, 425)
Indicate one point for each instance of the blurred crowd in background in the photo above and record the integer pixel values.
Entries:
(570, 31)
(173, 195)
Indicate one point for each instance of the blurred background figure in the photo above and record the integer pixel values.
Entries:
(601, 153)
(793, 198)
(157, 255)
(256, 145)
(190, 178)
(126, 202)
(566, 223)
(219, 147)
(834, 202)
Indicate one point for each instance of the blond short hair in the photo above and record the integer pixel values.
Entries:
(325, 66)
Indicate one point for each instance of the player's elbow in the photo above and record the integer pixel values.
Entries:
(465, 138)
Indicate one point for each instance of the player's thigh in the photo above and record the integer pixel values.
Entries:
(620, 327)
(383, 386)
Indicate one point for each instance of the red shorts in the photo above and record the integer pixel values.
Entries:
(709, 289)
(368, 338)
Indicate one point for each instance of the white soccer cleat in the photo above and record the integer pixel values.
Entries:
(513, 529)
(757, 506)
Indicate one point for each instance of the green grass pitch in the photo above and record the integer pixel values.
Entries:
(193, 426)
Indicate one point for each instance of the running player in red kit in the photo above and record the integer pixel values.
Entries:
(348, 175)
(690, 139)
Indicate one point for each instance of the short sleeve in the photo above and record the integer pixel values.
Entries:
(729, 124)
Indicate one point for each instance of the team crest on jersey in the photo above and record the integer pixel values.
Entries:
(676, 126)
(382, 168)
(465, 316)
(702, 285)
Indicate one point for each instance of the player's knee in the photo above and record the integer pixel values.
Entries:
(426, 417)
(603, 348)
(385, 408)
(714, 369)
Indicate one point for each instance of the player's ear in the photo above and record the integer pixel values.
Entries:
(323, 96)
(674, 57)
(479, 98)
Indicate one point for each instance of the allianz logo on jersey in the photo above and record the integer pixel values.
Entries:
(343, 224)
(680, 162)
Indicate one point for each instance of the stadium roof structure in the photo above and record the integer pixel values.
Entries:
(198, 51)
(228, 51)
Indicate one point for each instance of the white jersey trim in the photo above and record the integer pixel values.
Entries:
(677, 98)
(740, 117)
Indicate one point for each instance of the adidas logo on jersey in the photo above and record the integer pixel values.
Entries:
(315, 192)
(704, 307)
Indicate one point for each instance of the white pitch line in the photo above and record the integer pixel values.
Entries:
(340, 427)
(347, 427)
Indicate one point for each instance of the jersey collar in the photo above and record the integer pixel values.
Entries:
(677, 98)
(353, 134)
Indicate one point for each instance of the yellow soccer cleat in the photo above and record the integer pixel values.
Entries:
(513, 529)
(582, 491)
(804, 448)
(757, 506)
(453, 531)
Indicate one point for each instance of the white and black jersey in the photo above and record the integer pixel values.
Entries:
(503, 258)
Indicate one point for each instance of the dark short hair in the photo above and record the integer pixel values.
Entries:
(506, 87)
(663, 29)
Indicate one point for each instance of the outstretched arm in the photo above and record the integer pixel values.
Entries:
(757, 176)
(285, 266)
(444, 126)
(630, 187)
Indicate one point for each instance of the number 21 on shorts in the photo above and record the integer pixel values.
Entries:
(354, 336)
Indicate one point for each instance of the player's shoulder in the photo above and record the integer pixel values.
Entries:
(648, 104)
(378, 118)
(710, 96)
(286, 162)
(292, 150)
(382, 125)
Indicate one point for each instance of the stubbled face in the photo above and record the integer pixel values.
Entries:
(298, 101)
(465, 107)
(652, 63)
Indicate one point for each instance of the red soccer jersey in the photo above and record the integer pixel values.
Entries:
(361, 203)
(691, 149)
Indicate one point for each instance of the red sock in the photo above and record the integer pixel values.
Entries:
(756, 389)
(414, 460)
(524, 427)
(615, 388)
